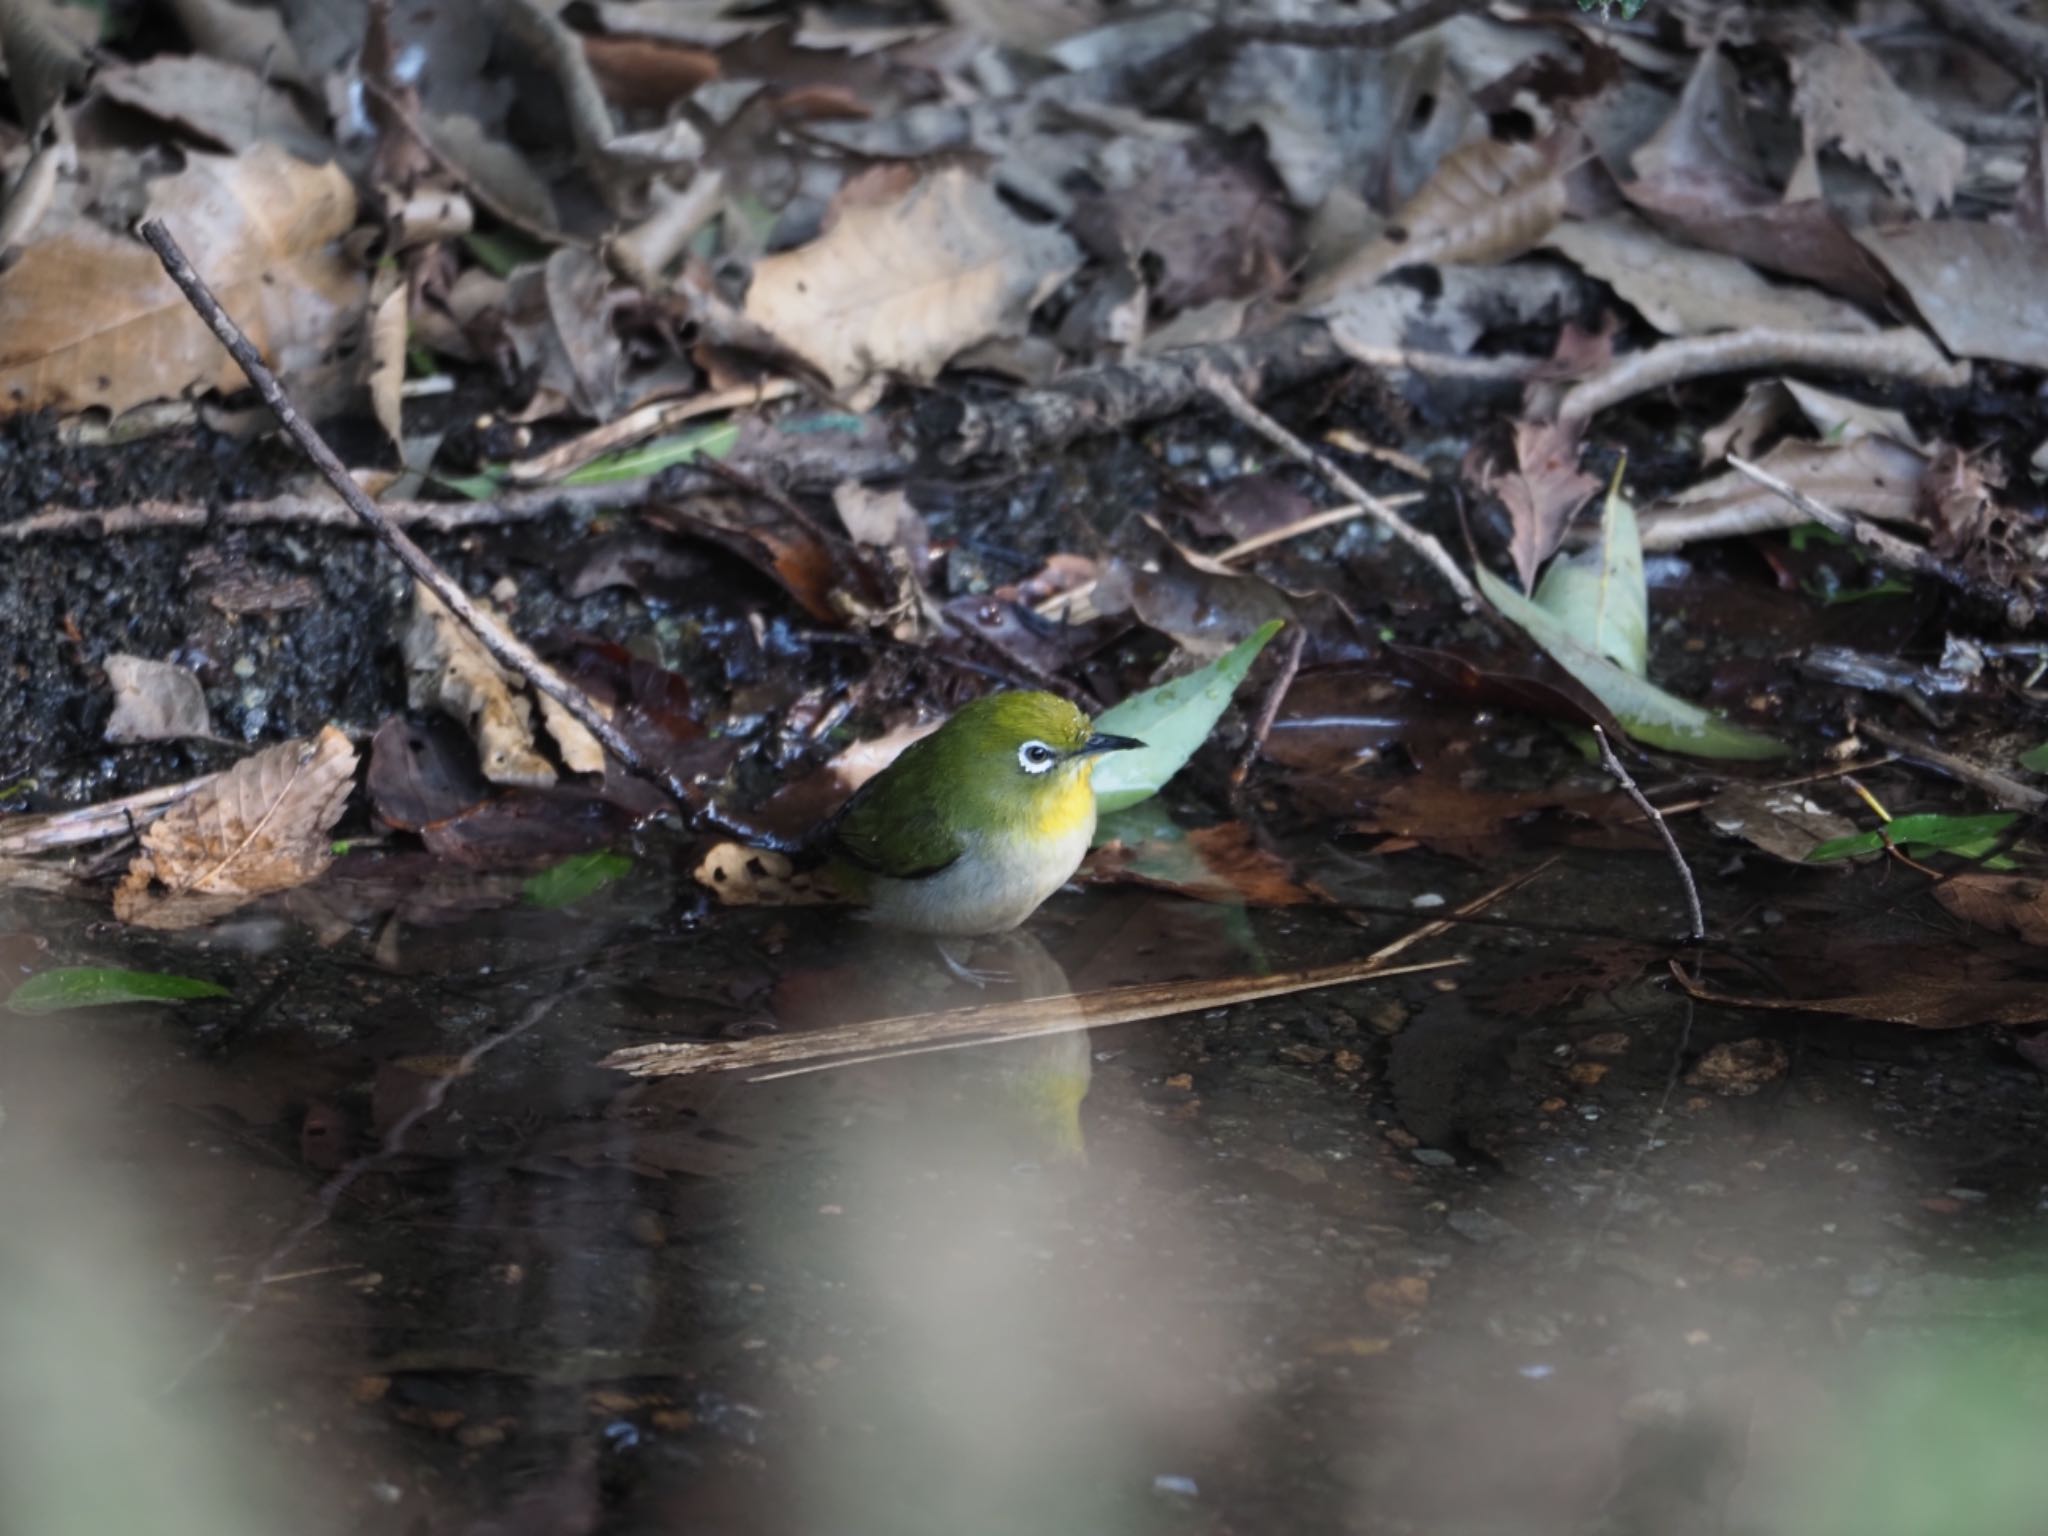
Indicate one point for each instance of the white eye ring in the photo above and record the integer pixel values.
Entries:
(1036, 757)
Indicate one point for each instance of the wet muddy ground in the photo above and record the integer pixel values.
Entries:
(1533, 1244)
(1448, 1254)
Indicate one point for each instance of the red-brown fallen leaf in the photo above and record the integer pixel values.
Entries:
(2013, 903)
(1922, 997)
(1221, 863)
(1542, 488)
(648, 74)
(1466, 822)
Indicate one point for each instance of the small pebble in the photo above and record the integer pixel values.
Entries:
(1431, 1157)
(1179, 1487)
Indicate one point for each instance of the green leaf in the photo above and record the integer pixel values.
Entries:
(502, 252)
(1599, 596)
(1969, 836)
(1172, 720)
(1646, 712)
(477, 487)
(713, 441)
(570, 881)
(94, 987)
(2036, 760)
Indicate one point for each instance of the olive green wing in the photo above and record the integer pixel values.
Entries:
(889, 828)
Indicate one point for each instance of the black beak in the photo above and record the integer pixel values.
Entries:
(1101, 743)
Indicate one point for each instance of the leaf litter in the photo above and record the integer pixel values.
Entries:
(728, 311)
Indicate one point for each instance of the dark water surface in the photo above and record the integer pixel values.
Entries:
(1462, 1252)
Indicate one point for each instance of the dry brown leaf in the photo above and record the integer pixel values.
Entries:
(1487, 202)
(1846, 99)
(87, 317)
(387, 358)
(259, 827)
(2012, 903)
(1783, 821)
(1926, 998)
(1542, 489)
(902, 282)
(1983, 288)
(155, 701)
(1222, 863)
(1684, 290)
(448, 669)
(1872, 475)
(218, 102)
(1699, 176)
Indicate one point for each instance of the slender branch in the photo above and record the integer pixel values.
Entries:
(1899, 354)
(505, 647)
(1232, 399)
(1269, 708)
(2012, 41)
(2005, 792)
(1621, 776)
(2014, 607)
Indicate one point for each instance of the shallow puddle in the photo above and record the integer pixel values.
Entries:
(1511, 1247)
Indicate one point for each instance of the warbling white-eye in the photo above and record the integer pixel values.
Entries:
(976, 824)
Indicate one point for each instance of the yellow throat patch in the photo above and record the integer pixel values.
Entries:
(1060, 813)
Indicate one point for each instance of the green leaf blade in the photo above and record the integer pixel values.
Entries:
(566, 883)
(69, 987)
(1173, 720)
(1649, 714)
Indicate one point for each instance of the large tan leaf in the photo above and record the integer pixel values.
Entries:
(1983, 288)
(87, 317)
(1686, 291)
(1846, 99)
(905, 279)
(1487, 202)
(259, 827)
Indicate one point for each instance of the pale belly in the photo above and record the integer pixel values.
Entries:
(991, 889)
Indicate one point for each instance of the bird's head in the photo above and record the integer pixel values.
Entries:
(1014, 756)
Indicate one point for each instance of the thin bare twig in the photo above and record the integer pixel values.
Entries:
(1232, 399)
(2013, 606)
(507, 649)
(2010, 40)
(2002, 791)
(637, 426)
(1621, 776)
(93, 823)
(325, 512)
(1898, 354)
(1269, 707)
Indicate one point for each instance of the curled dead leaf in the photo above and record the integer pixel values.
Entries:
(1488, 201)
(448, 669)
(155, 701)
(257, 828)
(758, 877)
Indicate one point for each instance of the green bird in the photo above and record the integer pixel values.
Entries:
(973, 826)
